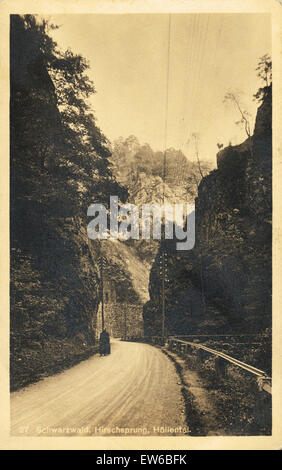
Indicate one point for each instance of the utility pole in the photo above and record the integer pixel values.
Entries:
(202, 282)
(163, 295)
(125, 324)
(163, 261)
(163, 276)
(102, 261)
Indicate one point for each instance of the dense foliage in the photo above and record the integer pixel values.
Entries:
(131, 160)
(59, 166)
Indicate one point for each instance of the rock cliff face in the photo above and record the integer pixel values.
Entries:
(54, 276)
(54, 303)
(224, 283)
(141, 170)
(54, 286)
(126, 280)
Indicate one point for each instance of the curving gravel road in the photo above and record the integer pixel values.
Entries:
(135, 391)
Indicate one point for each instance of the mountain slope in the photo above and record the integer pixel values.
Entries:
(224, 284)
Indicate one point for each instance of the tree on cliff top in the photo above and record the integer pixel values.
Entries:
(245, 116)
(264, 70)
(59, 156)
(198, 171)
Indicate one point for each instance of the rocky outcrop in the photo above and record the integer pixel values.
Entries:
(126, 280)
(224, 283)
(54, 276)
(54, 303)
(141, 170)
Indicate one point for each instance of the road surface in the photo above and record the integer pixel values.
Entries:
(135, 391)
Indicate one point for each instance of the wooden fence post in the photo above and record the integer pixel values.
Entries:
(262, 415)
(220, 367)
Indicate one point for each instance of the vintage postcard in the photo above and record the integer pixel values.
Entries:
(141, 262)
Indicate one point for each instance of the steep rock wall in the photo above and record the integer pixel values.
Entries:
(224, 283)
(54, 277)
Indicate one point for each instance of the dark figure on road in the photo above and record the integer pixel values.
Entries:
(105, 347)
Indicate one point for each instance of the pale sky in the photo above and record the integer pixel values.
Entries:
(207, 55)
